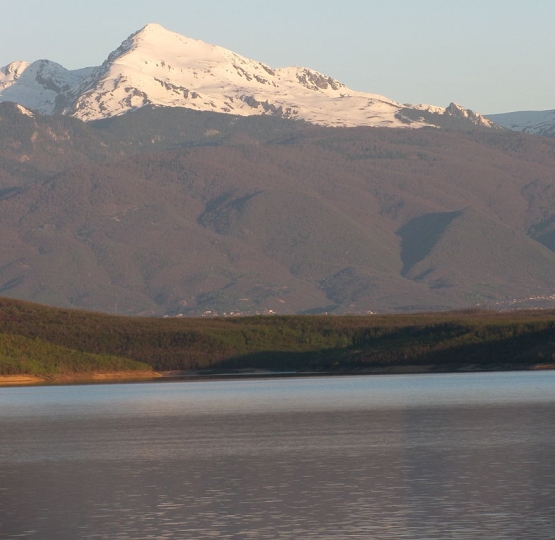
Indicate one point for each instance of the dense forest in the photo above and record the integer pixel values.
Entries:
(48, 341)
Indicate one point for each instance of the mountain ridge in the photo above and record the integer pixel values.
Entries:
(157, 67)
(540, 123)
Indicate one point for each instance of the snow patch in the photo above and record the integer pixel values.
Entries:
(24, 111)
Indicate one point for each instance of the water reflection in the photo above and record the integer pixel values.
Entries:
(395, 457)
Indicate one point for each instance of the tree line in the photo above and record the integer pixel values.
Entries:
(36, 339)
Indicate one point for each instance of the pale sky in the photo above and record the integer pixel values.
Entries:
(488, 55)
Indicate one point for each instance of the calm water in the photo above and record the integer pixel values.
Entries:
(466, 456)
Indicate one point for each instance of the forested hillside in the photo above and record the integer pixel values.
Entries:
(50, 341)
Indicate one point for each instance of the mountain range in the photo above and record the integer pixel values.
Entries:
(534, 122)
(179, 178)
(157, 67)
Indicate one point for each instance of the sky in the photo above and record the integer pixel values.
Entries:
(491, 56)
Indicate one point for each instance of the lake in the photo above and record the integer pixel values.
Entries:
(446, 456)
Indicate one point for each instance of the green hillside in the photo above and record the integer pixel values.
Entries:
(24, 356)
(41, 340)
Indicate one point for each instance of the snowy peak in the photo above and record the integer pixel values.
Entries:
(161, 68)
(37, 86)
(155, 34)
(12, 72)
(153, 38)
(157, 67)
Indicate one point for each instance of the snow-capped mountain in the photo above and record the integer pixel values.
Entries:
(534, 122)
(38, 85)
(161, 68)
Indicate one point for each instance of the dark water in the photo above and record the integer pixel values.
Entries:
(388, 457)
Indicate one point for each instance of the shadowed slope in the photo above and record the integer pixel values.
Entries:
(420, 235)
(474, 250)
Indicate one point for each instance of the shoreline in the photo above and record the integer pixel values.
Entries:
(79, 378)
(409, 369)
(175, 375)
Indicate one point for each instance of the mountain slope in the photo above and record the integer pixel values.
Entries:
(38, 86)
(447, 262)
(311, 220)
(533, 122)
(160, 68)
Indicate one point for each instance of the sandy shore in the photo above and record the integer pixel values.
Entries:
(544, 366)
(11, 380)
(7, 380)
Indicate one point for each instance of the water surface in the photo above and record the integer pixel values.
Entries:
(460, 456)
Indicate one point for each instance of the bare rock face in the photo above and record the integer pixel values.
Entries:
(458, 112)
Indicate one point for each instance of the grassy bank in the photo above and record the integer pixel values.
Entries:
(39, 340)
